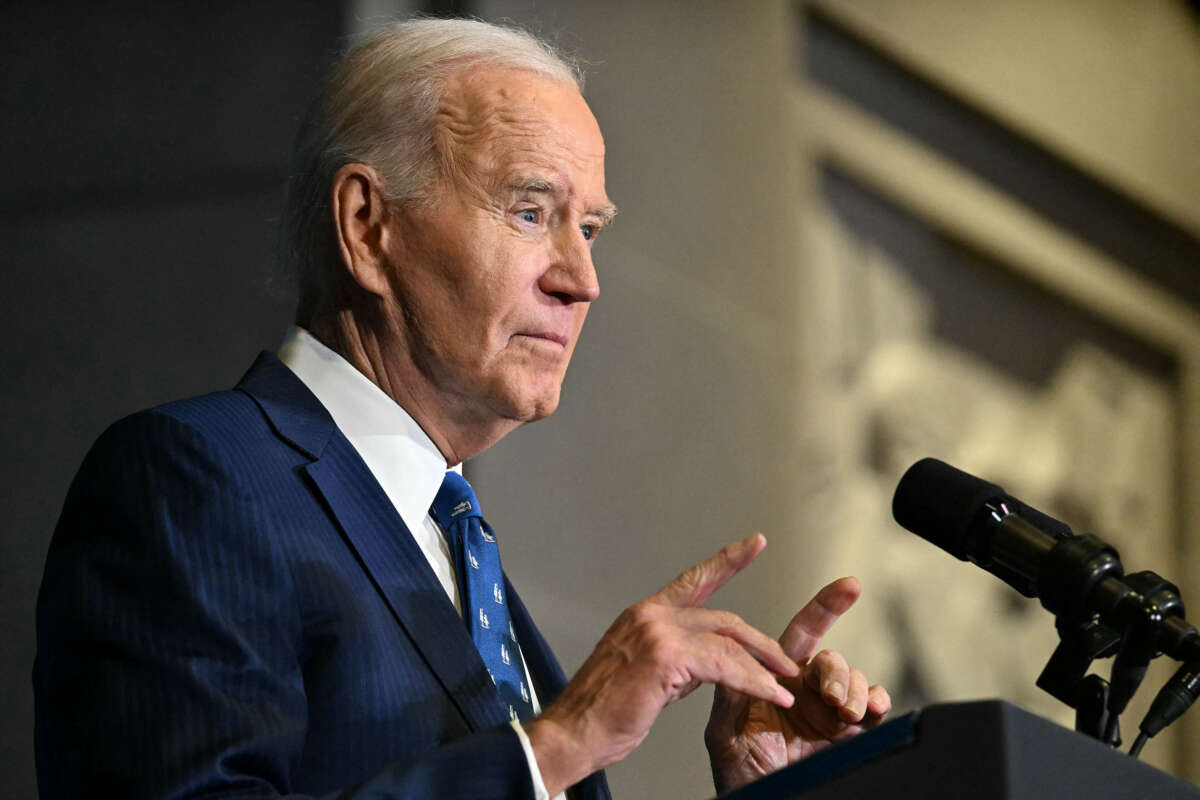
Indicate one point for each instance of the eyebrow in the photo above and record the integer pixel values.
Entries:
(539, 185)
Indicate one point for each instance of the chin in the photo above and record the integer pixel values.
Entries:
(529, 406)
(537, 409)
(523, 392)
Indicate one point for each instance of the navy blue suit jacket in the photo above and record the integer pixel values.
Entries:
(232, 607)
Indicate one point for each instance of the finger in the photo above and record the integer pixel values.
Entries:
(855, 707)
(724, 623)
(694, 586)
(879, 702)
(829, 674)
(722, 661)
(803, 634)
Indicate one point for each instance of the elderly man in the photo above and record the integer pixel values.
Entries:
(288, 588)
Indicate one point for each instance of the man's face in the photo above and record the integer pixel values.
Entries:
(494, 278)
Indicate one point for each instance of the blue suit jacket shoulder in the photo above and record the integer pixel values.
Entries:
(232, 606)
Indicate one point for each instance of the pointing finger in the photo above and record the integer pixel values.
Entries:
(803, 634)
(695, 585)
(719, 660)
(764, 649)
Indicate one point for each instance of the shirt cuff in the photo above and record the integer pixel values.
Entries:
(539, 786)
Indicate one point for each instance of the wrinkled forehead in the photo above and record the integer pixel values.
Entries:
(492, 119)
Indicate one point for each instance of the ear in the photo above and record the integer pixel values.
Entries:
(359, 215)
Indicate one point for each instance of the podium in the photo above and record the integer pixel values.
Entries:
(984, 750)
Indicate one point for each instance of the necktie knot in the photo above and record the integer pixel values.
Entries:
(454, 501)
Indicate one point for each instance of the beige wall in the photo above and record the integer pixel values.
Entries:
(675, 434)
(1110, 84)
(1113, 87)
(681, 422)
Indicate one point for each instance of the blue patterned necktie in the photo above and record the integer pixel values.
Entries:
(481, 588)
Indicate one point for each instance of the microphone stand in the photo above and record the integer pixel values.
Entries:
(1133, 637)
(1066, 680)
(1079, 580)
(1139, 645)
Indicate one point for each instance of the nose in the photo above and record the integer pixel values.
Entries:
(571, 277)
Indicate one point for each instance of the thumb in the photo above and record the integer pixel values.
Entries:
(695, 585)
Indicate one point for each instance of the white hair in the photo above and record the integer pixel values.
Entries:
(377, 107)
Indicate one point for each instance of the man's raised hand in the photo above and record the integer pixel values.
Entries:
(748, 738)
(656, 652)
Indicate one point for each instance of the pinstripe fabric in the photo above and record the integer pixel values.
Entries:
(232, 607)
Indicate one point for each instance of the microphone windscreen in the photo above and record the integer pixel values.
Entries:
(938, 503)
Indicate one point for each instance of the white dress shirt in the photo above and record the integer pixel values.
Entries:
(401, 456)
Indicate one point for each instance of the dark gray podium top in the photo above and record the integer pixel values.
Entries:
(985, 750)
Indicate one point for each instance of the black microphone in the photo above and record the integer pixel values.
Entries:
(1075, 577)
(976, 521)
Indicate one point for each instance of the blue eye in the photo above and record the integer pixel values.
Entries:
(530, 215)
(589, 231)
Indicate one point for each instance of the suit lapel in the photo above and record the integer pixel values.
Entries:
(395, 563)
(377, 535)
(403, 576)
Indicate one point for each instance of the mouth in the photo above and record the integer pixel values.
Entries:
(545, 336)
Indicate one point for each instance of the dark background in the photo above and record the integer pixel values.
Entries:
(144, 154)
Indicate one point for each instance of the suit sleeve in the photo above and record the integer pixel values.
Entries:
(169, 659)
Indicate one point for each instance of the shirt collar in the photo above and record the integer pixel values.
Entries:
(401, 456)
